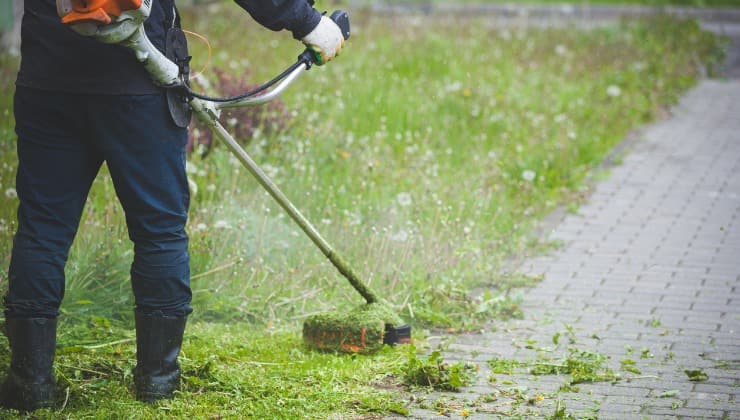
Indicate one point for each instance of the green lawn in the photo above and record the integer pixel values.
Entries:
(425, 153)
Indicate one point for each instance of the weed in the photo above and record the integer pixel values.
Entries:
(246, 124)
(432, 371)
(560, 412)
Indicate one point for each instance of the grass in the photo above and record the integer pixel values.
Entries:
(425, 154)
(229, 371)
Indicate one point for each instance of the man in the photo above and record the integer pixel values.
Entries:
(80, 103)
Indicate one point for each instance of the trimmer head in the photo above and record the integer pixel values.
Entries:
(363, 330)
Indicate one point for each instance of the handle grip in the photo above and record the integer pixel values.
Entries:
(341, 18)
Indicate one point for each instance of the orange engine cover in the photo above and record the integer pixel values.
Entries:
(98, 11)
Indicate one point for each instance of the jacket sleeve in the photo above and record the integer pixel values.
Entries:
(297, 16)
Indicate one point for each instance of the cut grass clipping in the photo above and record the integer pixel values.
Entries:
(583, 366)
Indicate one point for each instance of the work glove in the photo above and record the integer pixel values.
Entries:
(325, 40)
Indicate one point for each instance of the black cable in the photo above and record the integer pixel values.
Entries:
(253, 92)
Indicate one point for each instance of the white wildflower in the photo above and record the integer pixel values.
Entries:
(191, 168)
(11, 193)
(193, 187)
(529, 175)
(404, 199)
(453, 87)
(400, 236)
(561, 49)
(613, 91)
(221, 224)
(270, 170)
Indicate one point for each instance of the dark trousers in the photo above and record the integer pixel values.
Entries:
(63, 139)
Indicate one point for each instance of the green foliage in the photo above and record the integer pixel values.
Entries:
(432, 371)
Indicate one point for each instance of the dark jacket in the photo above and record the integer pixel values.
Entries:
(54, 57)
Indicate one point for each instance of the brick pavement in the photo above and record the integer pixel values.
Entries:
(649, 272)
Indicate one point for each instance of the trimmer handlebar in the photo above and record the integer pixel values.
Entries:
(261, 95)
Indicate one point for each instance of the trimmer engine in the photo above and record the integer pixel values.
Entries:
(120, 22)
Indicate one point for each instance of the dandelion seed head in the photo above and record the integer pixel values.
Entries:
(400, 236)
(404, 199)
(613, 91)
(221, 224)
(529, 175)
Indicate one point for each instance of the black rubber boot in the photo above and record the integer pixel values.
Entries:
(158, 342)
(30, 383)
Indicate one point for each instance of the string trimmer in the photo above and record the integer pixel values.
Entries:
(363, 330)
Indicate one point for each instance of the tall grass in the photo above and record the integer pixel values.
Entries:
(424, 153)
(425, 156)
